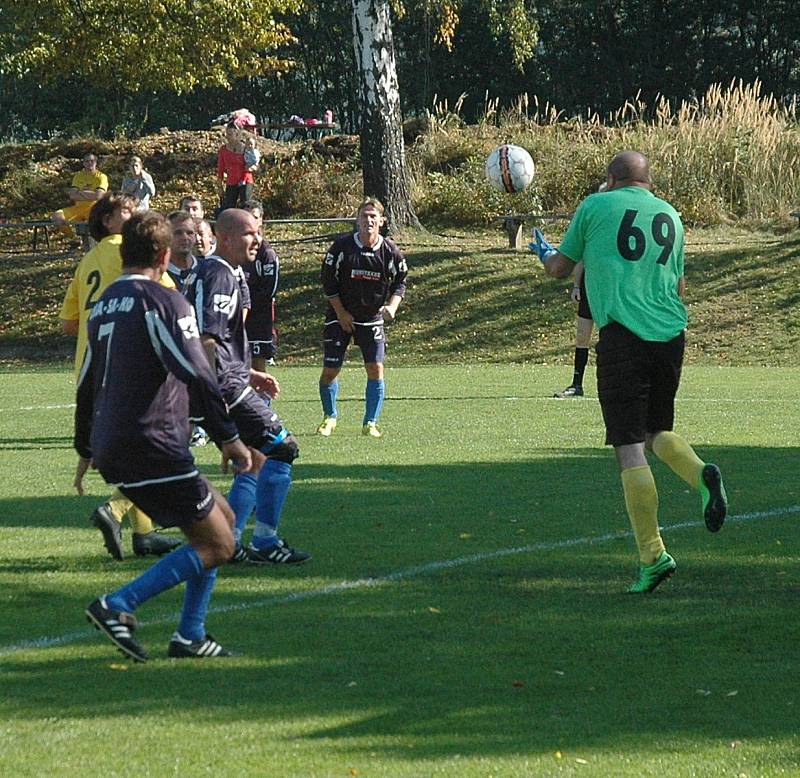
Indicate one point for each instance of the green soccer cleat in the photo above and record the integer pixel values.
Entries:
(327, 427)
(370, 430)
(715, 501)
(651, 576)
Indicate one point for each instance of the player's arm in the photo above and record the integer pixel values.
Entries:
(330, 283)
(397, 288)
(264, 382)
(682, 286)
(70, 326)
(83, 419)
(390, 309)
(184, 355)
(209, 345)
(558, 265)
(69, 313)
(342, 314)
(577, 277)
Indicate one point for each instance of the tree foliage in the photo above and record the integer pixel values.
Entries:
(174, 45)
(511, 20)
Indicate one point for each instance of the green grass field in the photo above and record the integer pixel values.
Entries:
(464, 611)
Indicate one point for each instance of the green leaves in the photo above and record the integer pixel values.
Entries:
(138, 44)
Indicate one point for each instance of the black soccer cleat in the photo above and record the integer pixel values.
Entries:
(104, 520)
(180, 648)
(571, 391)
(279, 554)
(154, 544)
(239, 555)
(712, 494)
(118, 627)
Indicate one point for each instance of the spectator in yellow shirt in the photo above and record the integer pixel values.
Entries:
(87, 187)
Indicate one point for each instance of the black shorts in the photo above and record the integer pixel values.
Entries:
(636, 382)
(584, 311)
(371, 339)
(260, 324)
(258, 425)
(173, 503)
(263, 348)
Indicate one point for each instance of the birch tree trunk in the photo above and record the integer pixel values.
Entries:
(383, 159)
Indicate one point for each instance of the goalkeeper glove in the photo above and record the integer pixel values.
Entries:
(541, 246)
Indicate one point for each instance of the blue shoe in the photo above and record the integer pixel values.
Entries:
(541, 246)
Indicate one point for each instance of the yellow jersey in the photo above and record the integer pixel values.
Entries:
(97, 269)
(83, 179)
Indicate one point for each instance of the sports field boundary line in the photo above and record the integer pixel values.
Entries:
(398, 575)
(460, 398)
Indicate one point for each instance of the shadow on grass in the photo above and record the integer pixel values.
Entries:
(528, 652)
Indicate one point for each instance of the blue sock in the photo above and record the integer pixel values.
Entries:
(374, 398)
(328, 393)
(274, 481)
(242, 499)
(179, 565)
(195, 605)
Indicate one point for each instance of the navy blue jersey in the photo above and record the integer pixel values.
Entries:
(180, 274)
(214, 290)
(262, 279)
(363, 278)
(143, 358)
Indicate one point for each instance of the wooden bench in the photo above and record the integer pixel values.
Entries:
(38, 227)
(288, 131)
(42, 227)
(513, 224)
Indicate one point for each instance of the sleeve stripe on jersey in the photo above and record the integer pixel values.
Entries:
(160, 334)
(198, 303)
(87, 358)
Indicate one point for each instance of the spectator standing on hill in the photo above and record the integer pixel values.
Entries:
(262, 276)
(138, 183)
(231, 170)
(98, 268)
(252, 159)
(86, 188)
(193, 205)
(131, 422)
(215, 292)
(364, 278)
(631, 244)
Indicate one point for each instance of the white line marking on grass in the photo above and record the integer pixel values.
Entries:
(398, 575)
(37, 408)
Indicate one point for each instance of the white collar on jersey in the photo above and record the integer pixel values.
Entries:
(178, 270)
(133, 277)
(362, 246)
(223, 261)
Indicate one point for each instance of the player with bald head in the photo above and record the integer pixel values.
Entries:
(631, 245)
(215, 291)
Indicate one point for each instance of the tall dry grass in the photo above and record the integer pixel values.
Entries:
(732, 155)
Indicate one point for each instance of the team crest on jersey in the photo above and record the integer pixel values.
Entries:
(188, 325)
(224, 303)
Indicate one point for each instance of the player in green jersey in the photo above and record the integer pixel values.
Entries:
(631, 244)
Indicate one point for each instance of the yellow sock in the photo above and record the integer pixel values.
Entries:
(118, 504)
(140, 521)
(641, 500)
(676, 453)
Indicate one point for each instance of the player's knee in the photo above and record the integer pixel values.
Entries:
(286, 451)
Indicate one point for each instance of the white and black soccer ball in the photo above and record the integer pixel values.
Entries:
(510, 168)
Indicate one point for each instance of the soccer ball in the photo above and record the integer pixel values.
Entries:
(509, 168)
